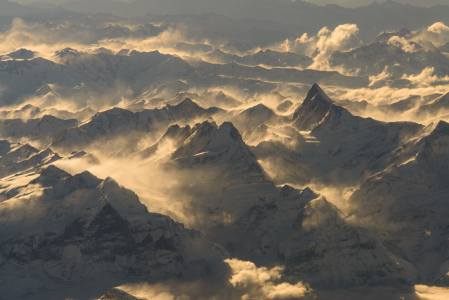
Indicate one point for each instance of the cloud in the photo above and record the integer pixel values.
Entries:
(437, 34)
(263, 283)
(241, 280)
(326, 42)
(303, 45)
(431, 292)
(331, 41)
(426, 78)
(439, 28)
(402, 43)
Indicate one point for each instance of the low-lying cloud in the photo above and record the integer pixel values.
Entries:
(243, 280)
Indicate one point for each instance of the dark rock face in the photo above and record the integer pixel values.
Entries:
(312, 110)
(118, 122)
(87, 227)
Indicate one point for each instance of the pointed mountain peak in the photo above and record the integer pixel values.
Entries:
(109, 181)
(228, 126)
(88, 176)
(326, 209)
(67, 52)
(316, 92)
(123, 200)
(50, 175)
(173, 128)
(187, 101)
(27, 148)
(53, 172)
(22, 53)
(442, 128)
(185, 105)
(48, 118)
(206, 125)
(212, 121)
(175, 133)
(390, 4)
(208, 137)
(312, 111)
(258, 109)
(404, 31)
(30, 106)
(226, 135)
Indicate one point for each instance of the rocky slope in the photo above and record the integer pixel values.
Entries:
(66, 229)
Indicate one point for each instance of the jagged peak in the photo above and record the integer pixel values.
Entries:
(27, 147)
(327, 211)
(259, 108)
(22, 53)
(113, 112)
(116, 293)
(187, 102)
(212, 121)
(50, 175)
(404, 31)
(51, 118)
(226, 135)
(173, 128)
(120, 198)
(175, 131)
(87, 175)
(30, 106)
(135, 52)
(208, 136)
(67, 51)
(109, 181)
(308, 190)
(315, 91)
(185, 105)
(52, 171)
(442, 128)
(227, 126)
(205, 125)
(314, 108)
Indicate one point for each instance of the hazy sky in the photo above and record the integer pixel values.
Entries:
(355, 3)
(346, 3)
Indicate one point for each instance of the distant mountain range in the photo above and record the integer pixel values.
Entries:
(371, 19)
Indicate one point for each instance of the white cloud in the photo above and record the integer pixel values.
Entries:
(326, 42)
(431, 292)
(263, 283)
(402, 43)
(331, 41)
(426, 78)
(439, 28)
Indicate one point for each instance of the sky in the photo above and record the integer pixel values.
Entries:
(345, 3)
(355, 3)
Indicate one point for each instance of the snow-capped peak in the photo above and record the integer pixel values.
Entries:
(314, 108)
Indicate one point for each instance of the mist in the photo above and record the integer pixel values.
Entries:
(224, 150)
